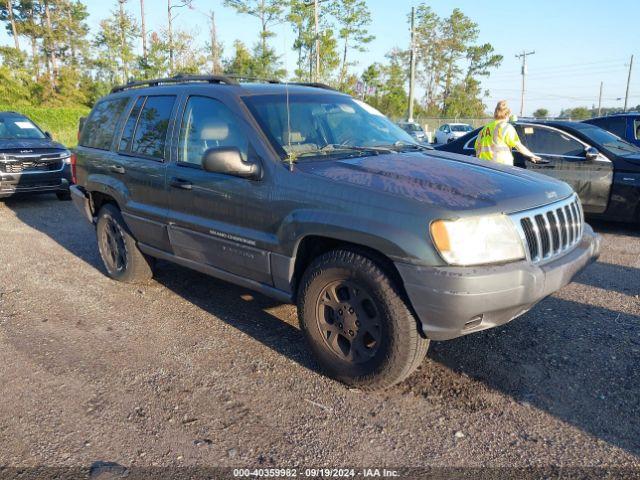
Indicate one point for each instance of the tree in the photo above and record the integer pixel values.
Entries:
(541, 113)
(450, 63)
(578, 113)
(6, 15)
(269, 13)
(353, 17)
(242, 63)
(115, 45)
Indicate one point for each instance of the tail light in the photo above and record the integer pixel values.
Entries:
(74, 159)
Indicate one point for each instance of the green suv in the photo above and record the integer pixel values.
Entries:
(310, 196)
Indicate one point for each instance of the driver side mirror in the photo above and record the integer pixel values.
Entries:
(591, 153)
(228, 161)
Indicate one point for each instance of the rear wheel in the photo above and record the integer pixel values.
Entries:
(119, 250)
(356, 322)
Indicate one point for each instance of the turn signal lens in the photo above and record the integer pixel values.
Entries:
(440, 236)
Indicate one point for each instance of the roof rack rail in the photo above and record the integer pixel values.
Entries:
(253, 79)
(313, 84)
(219, 79)
(276, 81)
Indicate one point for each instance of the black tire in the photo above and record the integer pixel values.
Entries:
(342, 290)
(63, 195)
(118, 248)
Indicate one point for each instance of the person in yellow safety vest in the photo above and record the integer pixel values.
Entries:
(495, 140)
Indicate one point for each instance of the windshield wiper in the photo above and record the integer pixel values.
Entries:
(402, 145)
(336, 147)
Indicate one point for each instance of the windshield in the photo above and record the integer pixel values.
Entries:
(413, 127)
(18, 128)
(323, 125)
(461, 128)
(608, 140)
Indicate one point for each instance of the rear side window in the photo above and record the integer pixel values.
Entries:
(636, 129)
(130, 126)
(551, 142)
(150, 134)
(99, 129)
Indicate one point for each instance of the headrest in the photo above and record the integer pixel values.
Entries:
(214, 130)
(292, 137)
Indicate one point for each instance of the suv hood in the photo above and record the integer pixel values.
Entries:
(446, 180)
(29, 144)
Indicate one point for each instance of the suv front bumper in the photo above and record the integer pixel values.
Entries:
(455, 301)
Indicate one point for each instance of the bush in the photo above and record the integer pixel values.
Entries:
(61, 122)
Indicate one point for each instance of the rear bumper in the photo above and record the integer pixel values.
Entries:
(81, 202)
(455, 301)
(11, 184)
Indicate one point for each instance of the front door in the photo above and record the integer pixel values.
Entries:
(591, 179)
(219, 220)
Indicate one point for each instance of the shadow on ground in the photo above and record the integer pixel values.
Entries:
(579, 362)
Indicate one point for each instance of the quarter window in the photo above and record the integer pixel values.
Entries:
(150, 134)
(551, 142)
(206, 124)
(99, 129)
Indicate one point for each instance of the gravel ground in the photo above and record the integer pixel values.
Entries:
(190, 371)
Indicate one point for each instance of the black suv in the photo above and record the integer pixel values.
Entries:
(310, 196)
(30, 161)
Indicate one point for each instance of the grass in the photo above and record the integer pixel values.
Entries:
(61, 122)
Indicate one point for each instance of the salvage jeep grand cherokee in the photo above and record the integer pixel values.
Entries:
(309, 196)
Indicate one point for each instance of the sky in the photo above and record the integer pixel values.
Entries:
(577, 44)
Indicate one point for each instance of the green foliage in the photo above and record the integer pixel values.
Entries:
(541, 113)
(353, 17)
(578, 113)
(61, 122)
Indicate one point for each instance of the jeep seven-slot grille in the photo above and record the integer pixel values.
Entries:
(552, 230)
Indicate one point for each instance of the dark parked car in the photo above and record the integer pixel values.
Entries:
(30, 161)
(310, 196)
(624, 125)
(603, 169)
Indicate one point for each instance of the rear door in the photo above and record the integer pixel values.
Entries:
(140, 162)
(219, 220)
(591, 179)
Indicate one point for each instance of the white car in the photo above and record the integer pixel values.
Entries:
(452, 131)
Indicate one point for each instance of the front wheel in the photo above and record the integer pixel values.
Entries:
(356, 322)
(63, 195)
(119, 250)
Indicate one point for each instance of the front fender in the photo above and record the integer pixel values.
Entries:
(395, 242)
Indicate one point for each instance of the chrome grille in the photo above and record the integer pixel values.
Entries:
(552, 230)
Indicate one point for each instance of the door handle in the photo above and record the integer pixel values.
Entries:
(181, 183)
(117, 169)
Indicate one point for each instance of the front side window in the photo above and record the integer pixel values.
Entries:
(13, 127)
(322, 124)
(551, 142)
(636, 129)
(99, 129)
(208, 123)
(150, 134)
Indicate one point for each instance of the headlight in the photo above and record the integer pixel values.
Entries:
(66, 157)
(477, 240)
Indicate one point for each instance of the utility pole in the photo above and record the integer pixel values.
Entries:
(170, 34)
(524, 56)
(144, 32)
(317, 43)
(215, 54)
(412, 76)
(626, 97)
(600, 100)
